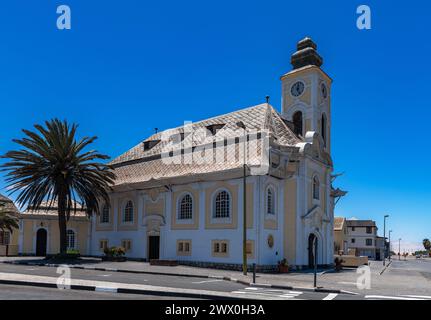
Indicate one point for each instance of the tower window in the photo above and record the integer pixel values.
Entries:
(316, 186)
(297, 123)
(323, 124)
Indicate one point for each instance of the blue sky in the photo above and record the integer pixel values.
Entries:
(127, 67)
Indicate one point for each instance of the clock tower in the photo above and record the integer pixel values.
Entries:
(306, 93)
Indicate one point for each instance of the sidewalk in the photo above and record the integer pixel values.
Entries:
(328, 281)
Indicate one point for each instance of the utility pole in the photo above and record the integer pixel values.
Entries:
(390, 231)
(384, 237)
(315, 260)
(244, 230)
(399, 249)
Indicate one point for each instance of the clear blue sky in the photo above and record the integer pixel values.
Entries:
(129, 66)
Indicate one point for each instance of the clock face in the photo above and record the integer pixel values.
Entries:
(324, 90)
(297, 88)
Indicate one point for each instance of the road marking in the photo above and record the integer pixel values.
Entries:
(104, 275)
(342, 282)
(330, 296)
(420, 297)
(206, 281)
(390, 297)
(250, 291)
(106, 289)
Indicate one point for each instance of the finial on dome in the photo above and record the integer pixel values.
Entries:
(306, 54)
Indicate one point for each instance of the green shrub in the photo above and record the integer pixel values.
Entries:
(114, 252)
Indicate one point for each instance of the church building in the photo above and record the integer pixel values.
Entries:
(187, 203)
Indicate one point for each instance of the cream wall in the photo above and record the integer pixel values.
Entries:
(30, 226)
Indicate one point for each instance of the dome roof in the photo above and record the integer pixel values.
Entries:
(9, 205)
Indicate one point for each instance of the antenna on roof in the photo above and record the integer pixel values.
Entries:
(156, 130)
(267, 99)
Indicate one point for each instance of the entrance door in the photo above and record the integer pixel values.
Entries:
(310, 250)
(153, 247)
(41, 240)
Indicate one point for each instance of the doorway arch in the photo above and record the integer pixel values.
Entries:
(41, 242)
(312, 238)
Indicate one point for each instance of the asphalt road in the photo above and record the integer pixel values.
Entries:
(403, 280)
(21, 292)
(13, 292)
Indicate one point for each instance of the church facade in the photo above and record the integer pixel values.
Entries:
(179, 195)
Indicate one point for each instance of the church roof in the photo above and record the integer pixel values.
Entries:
(49, 208)
(9, 205)
(141, 164)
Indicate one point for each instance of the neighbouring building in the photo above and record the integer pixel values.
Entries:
(9, 240)
(191, 209)
(340, 236)
(358, 237)
(39, 231)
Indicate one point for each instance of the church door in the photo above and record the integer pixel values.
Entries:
(41, 241)
(153, 247)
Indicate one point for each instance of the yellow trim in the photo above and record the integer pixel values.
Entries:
(220, 248)
(184, 247)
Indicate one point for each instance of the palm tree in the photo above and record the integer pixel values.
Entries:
(53, 166)
(427, 244)
(7, 221)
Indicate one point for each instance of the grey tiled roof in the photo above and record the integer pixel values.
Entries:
(139, 165)
(360, 223)
(9, 206)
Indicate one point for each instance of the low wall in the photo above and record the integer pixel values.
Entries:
(9, 250)
(352, 261)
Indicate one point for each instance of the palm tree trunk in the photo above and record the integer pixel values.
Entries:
(62, 223)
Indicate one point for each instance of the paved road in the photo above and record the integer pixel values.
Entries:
(12, 292)
(403, 280)
(156, 280)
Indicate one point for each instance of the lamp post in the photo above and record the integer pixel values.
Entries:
(384, 237)
(399, 249)
(390, 231)
(244, 196)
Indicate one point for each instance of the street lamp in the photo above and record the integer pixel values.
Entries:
(390, 231)
(399, 249)
(384, 237)
(241, 124)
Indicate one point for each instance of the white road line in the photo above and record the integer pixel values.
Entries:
(206, 281)
(342, 282)
(414, 296)
(104, 275)
(330, 296)
(390, 297)
(106, 289)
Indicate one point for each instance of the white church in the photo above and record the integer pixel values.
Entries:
(179, 195)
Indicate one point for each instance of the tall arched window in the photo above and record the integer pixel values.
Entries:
(70, 239)
(128, 212)
(316, 187)
(186, 207)
(222, 205)
(323, 129)
(104, 217)
(297, 122)
(270, 201)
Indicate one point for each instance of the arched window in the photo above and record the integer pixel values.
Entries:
(128, 212)
(270, 201)
(222, 205)
(70, 239)
(297, 122)
(104, 217)
(186, 207)
(316, 187)
(323, 129)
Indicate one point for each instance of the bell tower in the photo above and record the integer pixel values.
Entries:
(306, 93)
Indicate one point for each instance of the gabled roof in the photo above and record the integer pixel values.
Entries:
(139, 165)
(51, 209)
(9, 206)
(361, 223)
(339, 223)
